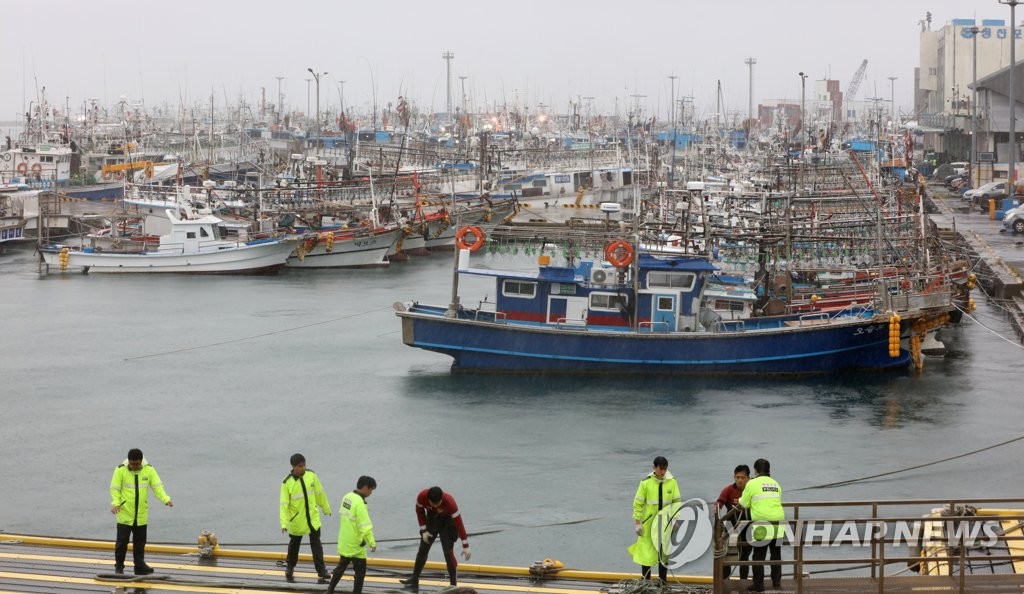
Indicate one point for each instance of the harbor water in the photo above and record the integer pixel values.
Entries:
(220, 379)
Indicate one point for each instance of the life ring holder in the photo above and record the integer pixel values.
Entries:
(619, 253)
(478, 236)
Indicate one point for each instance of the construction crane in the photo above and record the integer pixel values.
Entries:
(858, 77)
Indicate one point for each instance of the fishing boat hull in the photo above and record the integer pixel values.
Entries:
(255, 258)
(500, 346)
(347, 251)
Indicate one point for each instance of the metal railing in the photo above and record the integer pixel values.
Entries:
(939, 546)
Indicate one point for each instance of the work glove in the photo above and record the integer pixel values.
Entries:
(425, 537)
(465, 554)
(373, 549)
(639, 529)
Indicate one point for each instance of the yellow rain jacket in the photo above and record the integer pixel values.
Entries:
(300, 497)
(356, 531)
(652, 496)
(763, 497)
(130, 490)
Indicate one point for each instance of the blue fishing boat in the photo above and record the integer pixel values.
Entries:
(647, 316)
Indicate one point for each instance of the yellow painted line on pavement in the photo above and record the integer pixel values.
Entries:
(274, 573)
(149, 585)
(373, 562)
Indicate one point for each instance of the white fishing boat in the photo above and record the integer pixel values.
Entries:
(193, 245)
(12, 224)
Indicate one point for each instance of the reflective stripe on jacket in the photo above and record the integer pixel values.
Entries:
(130, 490)
(300, 497)
(355, 532)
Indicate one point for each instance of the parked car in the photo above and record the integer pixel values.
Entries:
(954, 180)
(979, 197)
(1014, 219)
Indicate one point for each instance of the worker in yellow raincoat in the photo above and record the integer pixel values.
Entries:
(655, 507)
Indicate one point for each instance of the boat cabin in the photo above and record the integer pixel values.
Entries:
(602, 296)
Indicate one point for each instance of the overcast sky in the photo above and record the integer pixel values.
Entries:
(524, 52)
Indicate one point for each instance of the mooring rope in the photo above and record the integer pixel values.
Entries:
(254, 336)
(909, 468)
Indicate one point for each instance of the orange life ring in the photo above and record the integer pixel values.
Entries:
(37, 168)
(107, 175)
(22, 168)
(619, 253)
(478, 236)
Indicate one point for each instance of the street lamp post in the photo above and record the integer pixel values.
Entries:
(750, 95)
(892, 100)
(1012, 165)
(974, 108)
(316, 77)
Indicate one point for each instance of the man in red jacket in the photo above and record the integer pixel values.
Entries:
(727, 500)
(438, 515)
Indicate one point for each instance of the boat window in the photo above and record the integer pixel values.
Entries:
(627, 178)
(190, 235)
(728, 305)
(540, 183)
(203, 233)
(665, 303)
(607, 301)
(673, 280)
(511, 288)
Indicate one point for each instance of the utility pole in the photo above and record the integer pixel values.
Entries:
(750, 108)
(448, 57)
(280, 99)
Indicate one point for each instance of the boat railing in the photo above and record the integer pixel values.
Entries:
(817, 318)
(654, 326)
(952, 545)
(729, 326)
(846, 310)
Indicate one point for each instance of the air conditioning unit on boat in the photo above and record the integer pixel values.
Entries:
(604, 276)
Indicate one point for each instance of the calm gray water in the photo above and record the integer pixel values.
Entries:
(327, 374)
